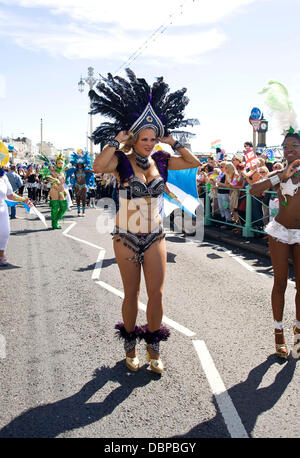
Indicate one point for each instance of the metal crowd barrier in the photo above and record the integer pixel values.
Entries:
(249, 226)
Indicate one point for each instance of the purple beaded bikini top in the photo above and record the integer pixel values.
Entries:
(136, 187)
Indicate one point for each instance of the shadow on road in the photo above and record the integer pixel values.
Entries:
(50, 420)
(9, 267)
(249, 400)
(29, 231)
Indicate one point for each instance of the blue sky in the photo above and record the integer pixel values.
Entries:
(223, 52)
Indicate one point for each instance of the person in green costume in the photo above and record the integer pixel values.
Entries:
(58, 195)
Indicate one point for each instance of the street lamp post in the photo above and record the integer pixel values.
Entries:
(41, 147)
(91, 81)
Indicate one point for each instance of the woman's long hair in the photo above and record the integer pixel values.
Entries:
(230, 170)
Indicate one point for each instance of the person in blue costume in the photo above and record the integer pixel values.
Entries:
(81, 176)
(143, 116)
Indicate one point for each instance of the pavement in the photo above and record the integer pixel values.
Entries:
(258, 245)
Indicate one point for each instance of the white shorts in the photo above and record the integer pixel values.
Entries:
(282, 234)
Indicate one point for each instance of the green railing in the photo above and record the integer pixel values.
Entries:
(248, 228)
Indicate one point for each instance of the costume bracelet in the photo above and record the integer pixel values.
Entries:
(114, 143)
(274, 180)
(177, 145)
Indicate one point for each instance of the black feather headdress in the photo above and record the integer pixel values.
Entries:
(133, 105)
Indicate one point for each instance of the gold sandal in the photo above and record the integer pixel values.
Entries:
(133, 363)
(296, 348)
(281, 349)
(156, 365)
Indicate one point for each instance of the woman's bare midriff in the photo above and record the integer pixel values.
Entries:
(139, 215)
(57, 190)
(289, 215)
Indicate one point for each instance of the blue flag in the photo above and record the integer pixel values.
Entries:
(11, 203)
(183, 192)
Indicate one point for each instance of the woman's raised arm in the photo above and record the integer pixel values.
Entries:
(186, 160)
(106, 161)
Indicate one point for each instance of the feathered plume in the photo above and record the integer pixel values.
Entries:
(277, 99)
(123, 101)
(42, 157)
(81, 158)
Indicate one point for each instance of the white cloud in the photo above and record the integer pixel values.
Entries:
(76, 44)
(97, 29)
(75, 41)
(137, 14)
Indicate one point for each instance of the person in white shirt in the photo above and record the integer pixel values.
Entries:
(6, 192)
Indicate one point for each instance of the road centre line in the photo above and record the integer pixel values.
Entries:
(232, 420)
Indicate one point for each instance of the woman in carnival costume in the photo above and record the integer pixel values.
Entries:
(142, 116)
(81, 176)
(6, 192)
(58, 195)
(284, 229)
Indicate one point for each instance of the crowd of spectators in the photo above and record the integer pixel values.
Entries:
(226, 182)
(27, 179)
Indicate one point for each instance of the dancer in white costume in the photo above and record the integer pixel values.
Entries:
(284, 229)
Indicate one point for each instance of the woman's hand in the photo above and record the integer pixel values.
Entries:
(290, 170)
(123, 136)
(169, 140)
(28, 202)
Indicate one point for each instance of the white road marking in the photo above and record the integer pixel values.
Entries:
(240, 261)
(178, 327)
(98, 266)
(232, 420)
(229, 413)
(69, 228)
(65, 233)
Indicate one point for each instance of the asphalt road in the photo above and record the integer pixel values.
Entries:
(62, 370)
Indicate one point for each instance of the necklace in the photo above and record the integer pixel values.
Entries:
(141, 161)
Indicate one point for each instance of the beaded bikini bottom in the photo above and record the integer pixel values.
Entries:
(138, 243)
